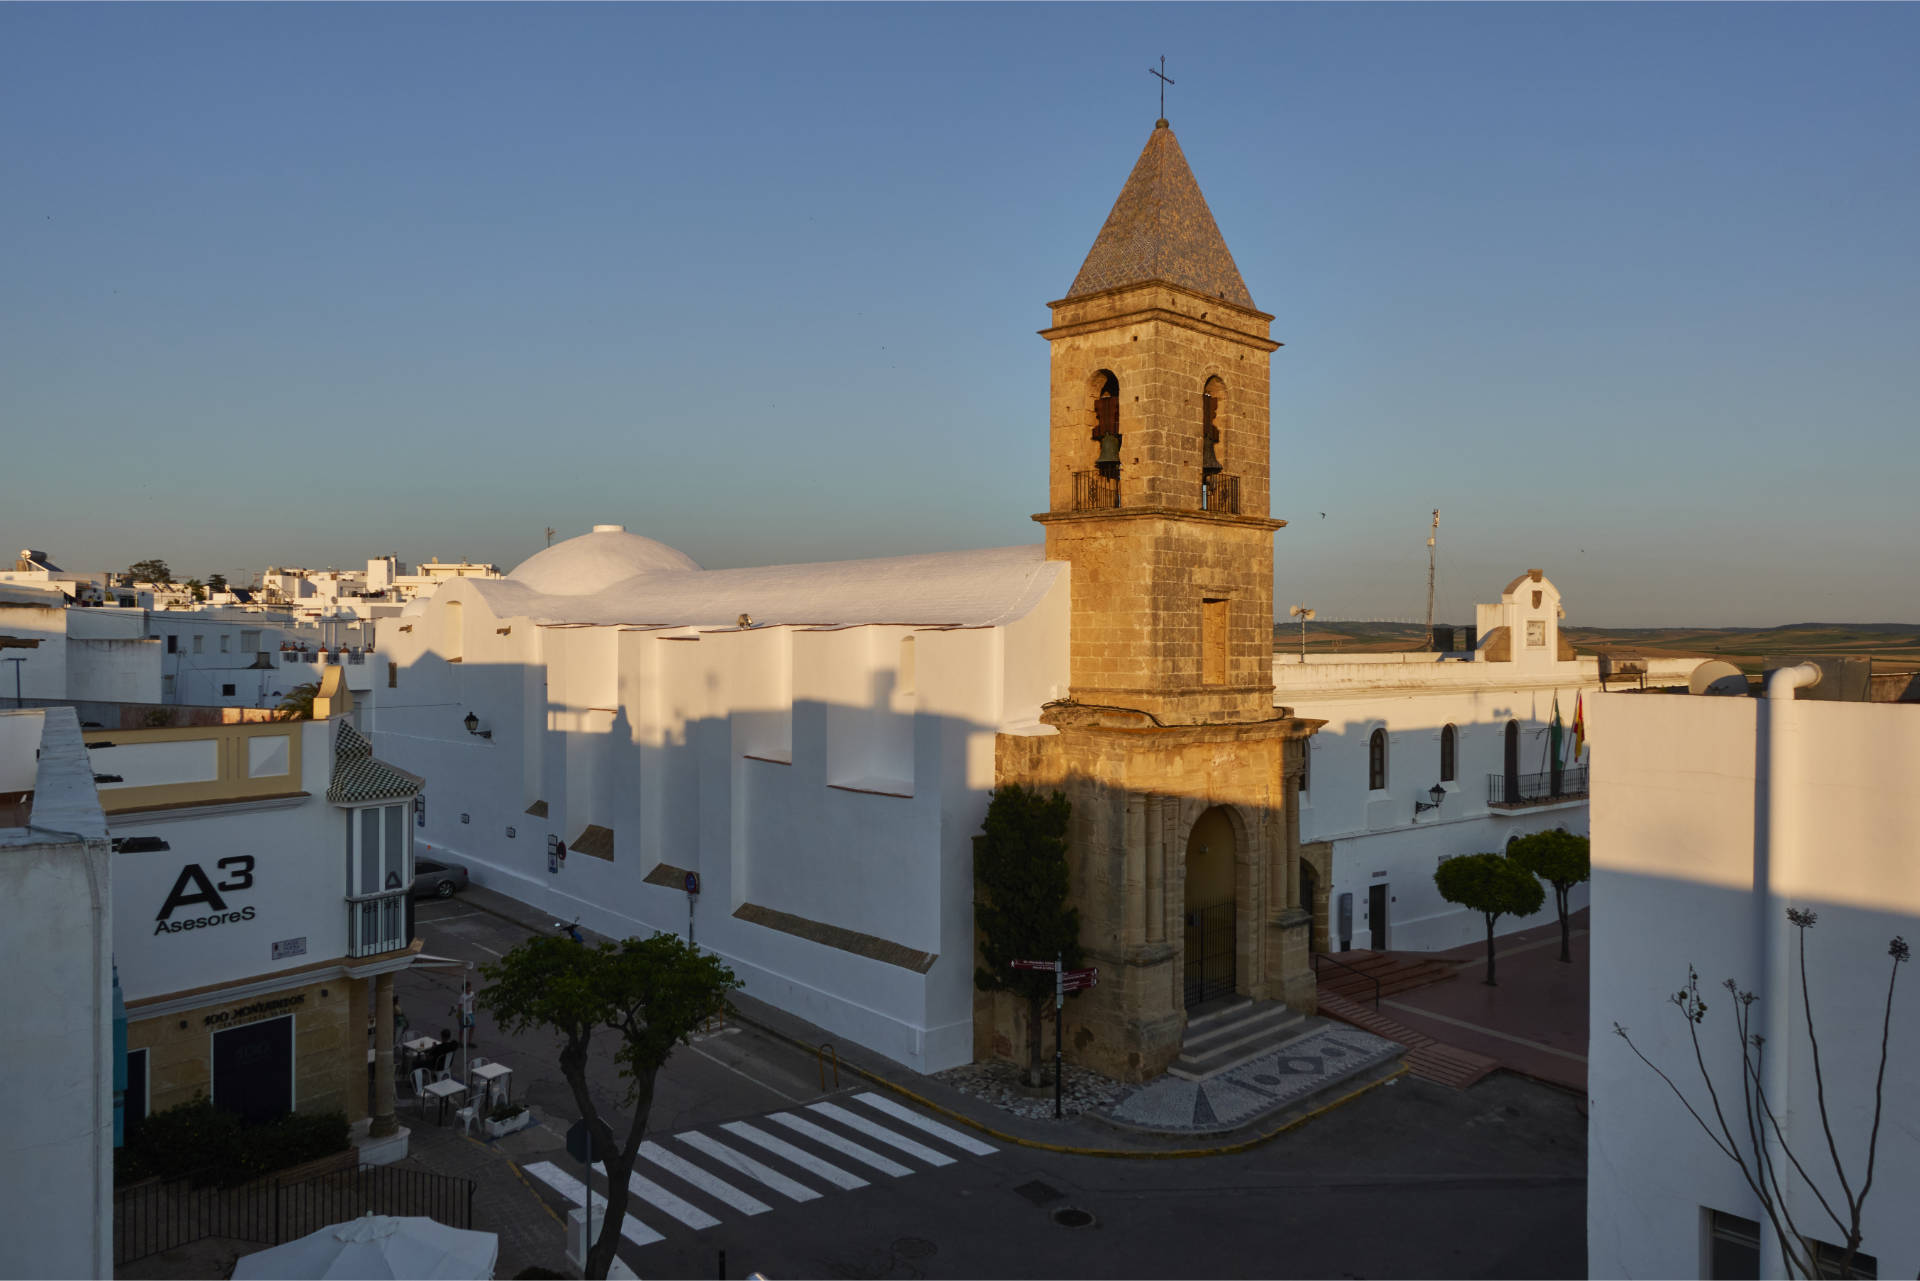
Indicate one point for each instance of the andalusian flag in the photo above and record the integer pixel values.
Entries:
(1579, 728)
(1554, 737)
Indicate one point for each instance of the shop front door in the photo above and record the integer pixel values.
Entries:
(253, 1069)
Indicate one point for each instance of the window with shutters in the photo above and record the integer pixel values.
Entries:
(1447, 739)
(1377, 761)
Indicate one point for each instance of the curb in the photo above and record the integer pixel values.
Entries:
(1068, 1149)
(1129, 1154)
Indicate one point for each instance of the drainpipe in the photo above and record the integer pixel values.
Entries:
(1776, 943)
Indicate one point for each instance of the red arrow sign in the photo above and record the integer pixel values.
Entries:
(1049, 966)
(1079, 980)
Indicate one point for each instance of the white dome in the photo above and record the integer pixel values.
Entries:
(594, 562)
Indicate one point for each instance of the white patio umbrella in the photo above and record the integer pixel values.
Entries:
(375, 1246)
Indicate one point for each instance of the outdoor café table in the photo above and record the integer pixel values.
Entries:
(488, 1073)
(444, 1090)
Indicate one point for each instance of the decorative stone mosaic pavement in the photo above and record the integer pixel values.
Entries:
(1267, 1084)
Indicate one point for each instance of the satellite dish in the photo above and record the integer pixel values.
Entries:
(1718, 677)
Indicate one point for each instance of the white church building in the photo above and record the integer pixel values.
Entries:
(814, 743)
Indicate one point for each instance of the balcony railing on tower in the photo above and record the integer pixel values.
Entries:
(1220, 492)
(1093, 492)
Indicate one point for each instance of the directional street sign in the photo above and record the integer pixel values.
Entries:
(1079, 980)
(1036, 965)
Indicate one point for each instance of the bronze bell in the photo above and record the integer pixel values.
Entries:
(1209, 461)
(1110, 450)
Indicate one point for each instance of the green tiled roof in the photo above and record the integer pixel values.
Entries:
(360, 777)
(1161, 229)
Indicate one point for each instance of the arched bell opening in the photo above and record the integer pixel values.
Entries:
(1106, 423)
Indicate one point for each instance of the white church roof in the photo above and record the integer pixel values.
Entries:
(957, 589)
(596, 561)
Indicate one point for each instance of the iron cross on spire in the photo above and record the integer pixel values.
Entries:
(1164, 82)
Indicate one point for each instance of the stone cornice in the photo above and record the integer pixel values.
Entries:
(1167, 314)
(1157, 282)
(1164, 513)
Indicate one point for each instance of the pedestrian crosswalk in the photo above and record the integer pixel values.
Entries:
(817, 1146)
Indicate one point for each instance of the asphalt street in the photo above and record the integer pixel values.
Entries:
(755, 1159)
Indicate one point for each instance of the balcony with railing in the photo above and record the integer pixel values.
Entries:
(1525, 791)
(1094, 492)
(1220, 492)
(377, 923)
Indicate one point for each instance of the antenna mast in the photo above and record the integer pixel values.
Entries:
(1430, 563)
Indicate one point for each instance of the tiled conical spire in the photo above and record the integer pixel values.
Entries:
(1161, 229)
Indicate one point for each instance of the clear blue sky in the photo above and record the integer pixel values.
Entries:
(1629, 292)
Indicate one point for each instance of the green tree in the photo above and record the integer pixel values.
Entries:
(650, 994)
(217, 582)
(197, 588)
(298, 704)
(1563, 861)
(150, 571)
(1020, 901)
(1492, 885)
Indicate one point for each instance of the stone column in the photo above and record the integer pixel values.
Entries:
(1155, 840)
(385, 1122)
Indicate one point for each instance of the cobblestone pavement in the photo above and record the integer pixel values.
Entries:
(531, 1234)
(1271, 1083)
(1000, 1084)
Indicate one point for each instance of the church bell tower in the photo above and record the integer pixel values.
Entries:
(1183, 848)
(1158, 461)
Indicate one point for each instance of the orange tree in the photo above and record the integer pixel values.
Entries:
(1020, 901)
(1491, 885)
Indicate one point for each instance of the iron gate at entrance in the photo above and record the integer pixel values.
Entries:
(1210, 958)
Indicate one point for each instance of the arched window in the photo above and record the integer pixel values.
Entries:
(1377, 761)
(1446, 754)
(1106, 423)
(1211, 398)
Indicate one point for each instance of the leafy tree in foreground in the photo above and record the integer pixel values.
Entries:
(1563, 861)
(1492, 885)
(1753, 1143)
(648, 993)
(298, 704)
(1020, 901)
(150, 571)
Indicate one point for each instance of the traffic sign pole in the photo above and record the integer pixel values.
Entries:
(1059, 1018)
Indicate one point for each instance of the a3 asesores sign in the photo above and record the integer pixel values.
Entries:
(195, 886)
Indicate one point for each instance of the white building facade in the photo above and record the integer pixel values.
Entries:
(1712, 817)
(814, 743)
(1475, 725)
(56, 1007)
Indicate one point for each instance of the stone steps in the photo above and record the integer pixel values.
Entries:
(1237, 1032)
(1427, 1058)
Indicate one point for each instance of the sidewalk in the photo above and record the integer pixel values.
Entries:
(1244, 1105)
(1534, 1022)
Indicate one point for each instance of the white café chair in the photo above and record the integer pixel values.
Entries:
(419, 1087)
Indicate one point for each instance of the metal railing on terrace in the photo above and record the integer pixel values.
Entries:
(1518, 791)
(1220, 493)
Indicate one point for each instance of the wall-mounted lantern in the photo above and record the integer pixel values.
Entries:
(1438, 793)
(473, 727)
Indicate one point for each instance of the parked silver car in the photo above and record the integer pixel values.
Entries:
(437, 880)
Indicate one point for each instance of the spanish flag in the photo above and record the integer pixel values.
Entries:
(1579, 728)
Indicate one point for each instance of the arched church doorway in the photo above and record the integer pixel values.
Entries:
(1211, 914)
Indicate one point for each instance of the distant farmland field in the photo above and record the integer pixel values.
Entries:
(1893, 647)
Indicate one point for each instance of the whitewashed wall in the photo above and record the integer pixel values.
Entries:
(860, 813)
(1678, 881)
